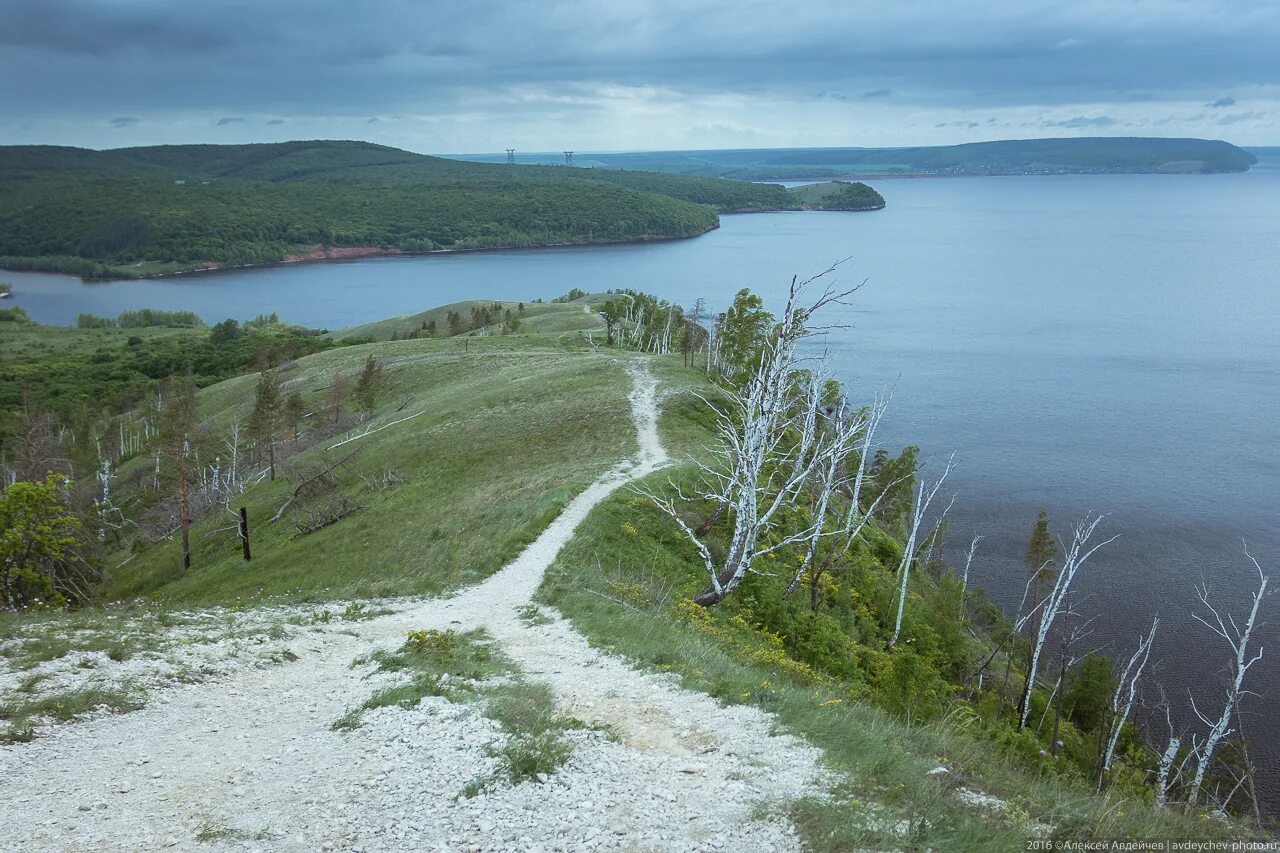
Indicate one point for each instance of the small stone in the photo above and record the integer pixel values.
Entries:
(938, 771)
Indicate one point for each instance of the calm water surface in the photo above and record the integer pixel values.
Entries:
(1105, 343)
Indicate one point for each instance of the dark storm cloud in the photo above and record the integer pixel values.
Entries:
(1223, 102)
(325, 58)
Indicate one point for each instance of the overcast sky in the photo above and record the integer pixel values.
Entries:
(611, 75)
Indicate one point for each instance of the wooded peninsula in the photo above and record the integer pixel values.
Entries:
(137, 212)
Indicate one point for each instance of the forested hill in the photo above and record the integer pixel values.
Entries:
(141, 211)
(1081, 155)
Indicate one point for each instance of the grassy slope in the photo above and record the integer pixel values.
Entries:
(837, 195)
(486, 467)
(621, 579)
(24, 342)
(537, 317)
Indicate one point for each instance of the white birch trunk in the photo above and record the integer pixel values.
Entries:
(924, 495)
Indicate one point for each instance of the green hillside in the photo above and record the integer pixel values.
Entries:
(142, 211)
(463, 456)
(837, 195)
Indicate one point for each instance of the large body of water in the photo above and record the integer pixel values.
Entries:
(1083, 343)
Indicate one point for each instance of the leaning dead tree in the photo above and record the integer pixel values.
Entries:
(1125, 695)
(925, 494)
(1055, 602)
(1238, 639)
(774, 436)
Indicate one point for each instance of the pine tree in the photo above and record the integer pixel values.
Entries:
(264, 423)
(369, 385)
(176, 438)
(294, 409)
(337, 389)
(1042, 553)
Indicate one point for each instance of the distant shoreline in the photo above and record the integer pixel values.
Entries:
(333, 254)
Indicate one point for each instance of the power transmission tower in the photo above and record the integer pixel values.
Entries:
(511, 156)
(568, 158)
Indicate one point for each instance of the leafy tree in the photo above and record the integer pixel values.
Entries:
(369, 385)
(227, 330)
(612, 313)
(1088, 693)
(264, 422)
(744, 328)
(894, 478)
(38, 539)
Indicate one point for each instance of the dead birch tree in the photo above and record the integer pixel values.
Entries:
(925, 494)
(964, 578)
(832, 480)
(773, 436)
(1124, 697)
(1238, 639)
(1054, 603)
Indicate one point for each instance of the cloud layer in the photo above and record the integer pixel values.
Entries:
(618, 74)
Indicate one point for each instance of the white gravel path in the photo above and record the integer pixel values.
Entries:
(250, 762)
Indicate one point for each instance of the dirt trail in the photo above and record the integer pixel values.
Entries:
(251, 762)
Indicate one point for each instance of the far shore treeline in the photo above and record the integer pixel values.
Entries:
(138, 212)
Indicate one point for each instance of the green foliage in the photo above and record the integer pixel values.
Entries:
(894, 478)
(227, 330)
(742, 331)
(82, 374)
(16, 314)
(1088, 693)
(39, 537)
(140, 319)
(369, 385)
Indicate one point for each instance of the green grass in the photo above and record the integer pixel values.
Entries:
(485, 467)
(467, 667)
(436, 663)
(20, 715)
